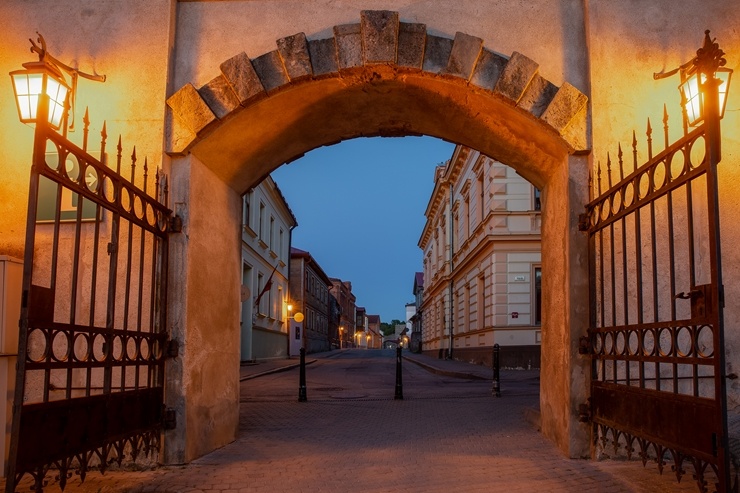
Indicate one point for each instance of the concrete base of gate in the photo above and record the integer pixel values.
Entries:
(202, 383)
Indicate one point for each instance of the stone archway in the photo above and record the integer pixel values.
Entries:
(377, 77)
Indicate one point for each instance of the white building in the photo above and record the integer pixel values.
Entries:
(410, 312)
(481, 251)
(267, 222)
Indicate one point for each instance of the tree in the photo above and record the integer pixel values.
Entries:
(390, 328)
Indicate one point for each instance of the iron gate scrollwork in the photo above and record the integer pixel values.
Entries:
(89, 387)
(655, 333)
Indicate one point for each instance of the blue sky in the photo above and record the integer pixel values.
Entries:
(360, 209)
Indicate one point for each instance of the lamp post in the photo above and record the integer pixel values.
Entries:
(298, 317)
(43, 79)
(708, 62)
(341, 330)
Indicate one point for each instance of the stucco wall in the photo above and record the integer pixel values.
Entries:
(129, 45)
(549, 32)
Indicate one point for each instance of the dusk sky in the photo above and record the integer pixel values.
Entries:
(360, 208)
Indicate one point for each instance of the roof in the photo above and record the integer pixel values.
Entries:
(373, 319)
(418, 281)
(298, 253)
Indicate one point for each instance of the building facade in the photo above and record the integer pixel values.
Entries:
(416, 318)
(335, 315)
(360, 327)
(482, 263)
(309, 295)
(342, 292)
(374, 336)
(267, 222)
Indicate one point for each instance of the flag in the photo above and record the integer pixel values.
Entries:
(267, 287)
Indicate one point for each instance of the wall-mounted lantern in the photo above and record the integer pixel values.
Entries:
(44, 77)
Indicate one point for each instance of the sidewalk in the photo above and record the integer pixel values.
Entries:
(248, 371)
(469, 371)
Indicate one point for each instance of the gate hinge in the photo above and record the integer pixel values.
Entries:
(583, 223)
(169, 418)
(584, 412)
(175, 225)
(584, 345)
(173, 349)
(112, 248)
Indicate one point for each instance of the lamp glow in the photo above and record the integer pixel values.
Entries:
(35, 79)
(693, 96)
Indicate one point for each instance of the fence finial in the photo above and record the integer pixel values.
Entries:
(634, 151)
(119, 155)
(665, 125)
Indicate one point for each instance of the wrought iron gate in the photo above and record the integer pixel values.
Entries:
(656, 308)
(89, 387)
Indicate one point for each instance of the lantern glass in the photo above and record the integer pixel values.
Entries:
(694, 97)
(28, 86)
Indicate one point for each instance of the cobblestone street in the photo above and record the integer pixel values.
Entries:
(447, 435)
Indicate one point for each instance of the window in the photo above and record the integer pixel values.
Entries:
(260, 283)
(466, 301)
(245, 208)
(272, 233)
(268, 294)
(538, 295)
(280, 243)
(481, 301)
(537, 202)
(262, 220)
(466, 231)
(481, 197)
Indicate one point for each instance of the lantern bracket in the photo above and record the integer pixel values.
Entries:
(45, 57)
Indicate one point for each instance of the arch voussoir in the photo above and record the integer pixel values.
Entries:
(380, 38)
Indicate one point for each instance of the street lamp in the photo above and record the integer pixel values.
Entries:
(29, 84)
(341, 329)
(44, 78)
(705, 69)
(693, 95)
(298, 317)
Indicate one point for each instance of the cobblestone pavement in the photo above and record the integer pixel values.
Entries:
(449, 434)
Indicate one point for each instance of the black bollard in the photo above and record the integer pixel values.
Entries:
(399, 376)
(496, 390)
(302, 379)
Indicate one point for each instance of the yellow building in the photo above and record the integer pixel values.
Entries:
(482, 270)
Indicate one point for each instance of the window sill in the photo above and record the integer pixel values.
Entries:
(249, 231)
(262, 244)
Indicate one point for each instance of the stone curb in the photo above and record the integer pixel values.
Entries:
(276, 370)
(447, 373)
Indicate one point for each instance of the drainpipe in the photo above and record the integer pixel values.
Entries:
(452, 268)
(290, 295)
